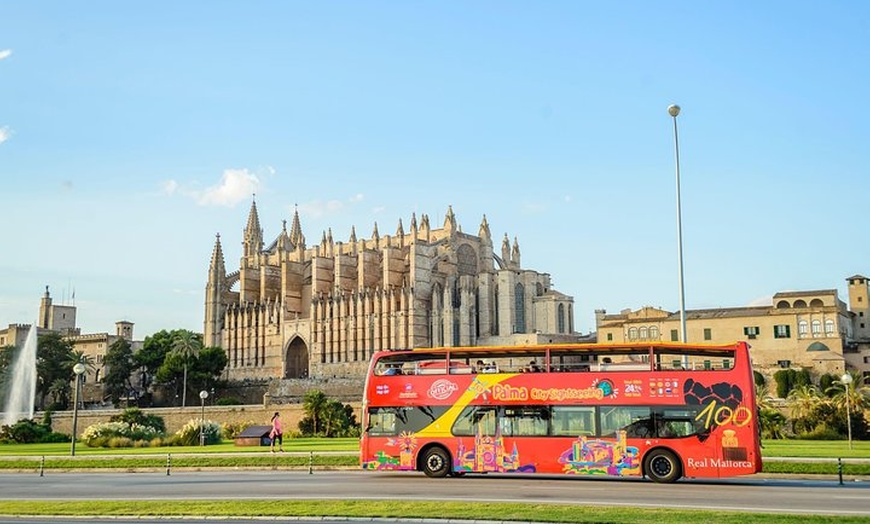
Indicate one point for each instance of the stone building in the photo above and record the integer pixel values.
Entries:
(291, 310)
(61, 318)
(809, 329)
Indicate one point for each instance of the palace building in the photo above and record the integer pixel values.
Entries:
(799, 329)
(291, 310)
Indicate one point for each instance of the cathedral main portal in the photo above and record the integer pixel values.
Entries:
(296, 359)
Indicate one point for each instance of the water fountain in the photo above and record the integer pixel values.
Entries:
(22, 391)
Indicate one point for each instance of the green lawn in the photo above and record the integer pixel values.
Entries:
(816, 448)
(227, 446)
(556, 513)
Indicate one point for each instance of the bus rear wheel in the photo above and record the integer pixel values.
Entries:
(436, 462)
(662, 465)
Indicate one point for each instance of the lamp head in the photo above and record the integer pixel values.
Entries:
(79, 368)
(203, 394)
(674, 110)
(846, 378)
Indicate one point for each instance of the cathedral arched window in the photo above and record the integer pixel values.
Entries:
(520, 306)
(561, 317)
(570, 318)
(829, 327)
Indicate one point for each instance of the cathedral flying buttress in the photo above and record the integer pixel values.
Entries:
(293, 311)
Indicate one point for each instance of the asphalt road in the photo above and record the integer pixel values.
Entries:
(743, 494)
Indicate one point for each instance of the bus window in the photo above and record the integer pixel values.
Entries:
(677, 422)
(382, 421)
(475, 420)
(394, 421)
(635, 420)
(573, 421)
(524, 421)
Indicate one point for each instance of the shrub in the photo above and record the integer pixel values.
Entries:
(133, 416)
(231, 430)
(228, 401)
(821, 432)
(759, 378)
(189, 435)
(100, 435)
(28, 432)
(120, 442)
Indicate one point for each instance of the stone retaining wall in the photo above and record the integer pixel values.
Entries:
(175, 418)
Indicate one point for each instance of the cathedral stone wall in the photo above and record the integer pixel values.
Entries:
(296, 311)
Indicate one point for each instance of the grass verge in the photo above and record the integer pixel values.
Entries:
(416, 510)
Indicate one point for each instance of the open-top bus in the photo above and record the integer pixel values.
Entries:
(663, 411)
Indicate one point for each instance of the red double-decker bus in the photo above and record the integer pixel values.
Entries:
(663, 411)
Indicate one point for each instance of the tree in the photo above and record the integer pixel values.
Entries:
(313, 404)
(7, 354)
(119, 367)
(207, 367)
(54, 361)
(187, 344)
(327, 417)
(153, 353)
(802, 402)
(855, 395)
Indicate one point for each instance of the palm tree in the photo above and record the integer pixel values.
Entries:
(314, 405)
(855, 395)
(187, 344)
(802, 399)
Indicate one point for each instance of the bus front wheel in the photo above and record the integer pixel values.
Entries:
(662, 465)
(436, 462)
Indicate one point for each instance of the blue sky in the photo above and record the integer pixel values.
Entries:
(132, 133)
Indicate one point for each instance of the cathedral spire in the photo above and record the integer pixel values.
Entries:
(506, 250)
(515, 254)
(253, 241)
(484, 233)
(352, 235)
(217, 267)
(296, 236)
(450, 220)
(375, 236)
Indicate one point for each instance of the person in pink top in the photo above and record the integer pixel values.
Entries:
(277, 434)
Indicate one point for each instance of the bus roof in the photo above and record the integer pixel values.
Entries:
(591, 347)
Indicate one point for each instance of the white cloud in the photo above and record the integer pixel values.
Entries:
(236, 185)
(5, 134)
(5, 53)
(320, 208)
(170, 187)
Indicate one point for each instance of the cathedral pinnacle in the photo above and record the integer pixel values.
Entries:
(296, 237)
(217, 266)
(253, 232)
(352, 234)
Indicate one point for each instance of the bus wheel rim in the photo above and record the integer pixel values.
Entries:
(662, 466)
(435, 462)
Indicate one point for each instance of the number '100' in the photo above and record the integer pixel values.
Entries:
(715, 414)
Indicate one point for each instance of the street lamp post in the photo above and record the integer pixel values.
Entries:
(846, 379)
(78, 369)
(202, 396)
(674, 111)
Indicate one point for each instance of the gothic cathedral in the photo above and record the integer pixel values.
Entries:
(292, 311)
